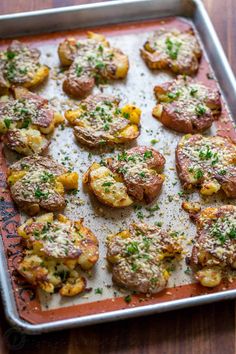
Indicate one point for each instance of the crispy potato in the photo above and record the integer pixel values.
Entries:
(215, 250)
(106, 186)
(19, 65)
(186, 105)
(140, 169)
(174, 50)
(207, 163)
(98, 120)
(90, 60)
(24, 118)
(132, 175)
(54, 250)
(39, 182)
(140, 257)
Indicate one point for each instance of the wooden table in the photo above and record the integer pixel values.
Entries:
(201, 330)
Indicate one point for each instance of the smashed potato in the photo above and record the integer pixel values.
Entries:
(25, 120)
(140, 257)
(186, 105)
(132, 175)
(214, 253)
(39, 183)
(98, 120)
(178, 51)
(54, 250)
(208, 163)
(20, 66)
(91, 60)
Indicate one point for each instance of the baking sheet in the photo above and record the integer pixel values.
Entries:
(138, 89)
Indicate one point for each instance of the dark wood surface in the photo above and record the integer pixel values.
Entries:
(207, 329)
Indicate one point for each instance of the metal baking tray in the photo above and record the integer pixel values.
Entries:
(123, 22)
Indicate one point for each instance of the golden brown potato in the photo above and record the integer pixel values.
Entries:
(207, 163)
(54, 250)
(39, 182)
(20, 66)
(99, 120)
(214, 253)
(140, 257)
(186, 105)
(132, 175)
(91, 60)
(178, 51)
(25, 120)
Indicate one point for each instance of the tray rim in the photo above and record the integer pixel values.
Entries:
(5, 281)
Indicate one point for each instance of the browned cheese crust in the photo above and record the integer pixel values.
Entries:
(141, 257)
(54, 251)
(39, 182)
(215, 250)
(208, 163)
(178, 51)
(25, 119)
(99, 120)
(186, 105)
(132, 175)
(20, 66)
(91, 60)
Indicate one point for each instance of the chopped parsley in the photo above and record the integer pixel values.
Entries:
(122, 156)
(78, 70)
(40, 194)
(193, 92)
(147, 154)
(7, 122)
(107, 184)
(198, 173)
(132, 248)
(200, 110)
(26, 123)
(10, 55)
(98, 291)
(173, 95)
(128, 299)
(172, 48)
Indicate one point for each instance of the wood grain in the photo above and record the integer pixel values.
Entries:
(201, 330)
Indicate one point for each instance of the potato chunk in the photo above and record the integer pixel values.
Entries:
(90, 60)
(55, 249)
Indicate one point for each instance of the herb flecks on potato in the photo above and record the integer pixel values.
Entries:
(99, 121)
(91, 60)
(186, 106)
(25, 120)
(55, 250)
(214, 253)
(20, 66)
(141, 257)
(208, 163)
(39, 183)
(133, 175)
(171, 49)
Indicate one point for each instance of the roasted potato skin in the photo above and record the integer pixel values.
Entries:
(19, 56)
(55, 267)
(121, 125)
(214, 252)
(174, 50)
(142, 184)
(176, 97)
(141, 188)
(26, 131)
(106, 186)
(39, 183)
(126, 249)
(220, 173)
(113, 64)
